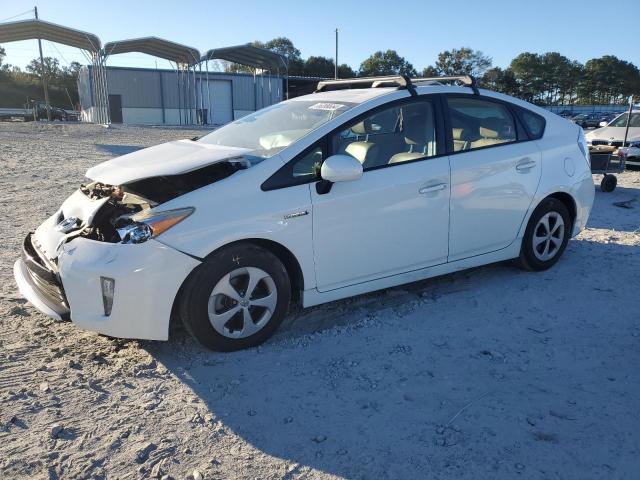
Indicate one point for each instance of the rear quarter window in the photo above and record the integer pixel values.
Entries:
(533, 122)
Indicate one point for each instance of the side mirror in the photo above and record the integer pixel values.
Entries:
(341, 168)
(603, 124)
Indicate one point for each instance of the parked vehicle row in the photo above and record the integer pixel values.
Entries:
(364, 185)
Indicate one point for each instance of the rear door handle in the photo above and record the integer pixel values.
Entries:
(432, 188)
(525, 165)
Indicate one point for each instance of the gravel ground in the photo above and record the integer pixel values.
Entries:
(492, 373)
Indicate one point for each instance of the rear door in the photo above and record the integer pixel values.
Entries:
(495, 171)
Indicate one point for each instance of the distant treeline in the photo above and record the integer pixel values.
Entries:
(546, 79)
(18, 87)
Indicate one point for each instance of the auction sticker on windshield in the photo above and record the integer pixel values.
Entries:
(327, 106)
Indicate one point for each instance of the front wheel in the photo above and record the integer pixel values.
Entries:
(236, 299)
(546, 235)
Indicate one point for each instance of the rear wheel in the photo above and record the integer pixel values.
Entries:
(608, 183)
(236, 299)
(546, 235)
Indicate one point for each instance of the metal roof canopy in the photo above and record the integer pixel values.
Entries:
(39, 29)
(155, 46)
(249, 55)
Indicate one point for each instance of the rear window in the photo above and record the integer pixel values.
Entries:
(534, 123)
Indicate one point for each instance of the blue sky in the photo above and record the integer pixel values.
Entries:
(418, 30)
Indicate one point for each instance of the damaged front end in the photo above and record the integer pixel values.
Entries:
(126, 213)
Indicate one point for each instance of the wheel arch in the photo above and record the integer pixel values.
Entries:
(568, 202)
(288, 259)
(562, 196)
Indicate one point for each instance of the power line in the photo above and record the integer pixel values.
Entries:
(16, 16)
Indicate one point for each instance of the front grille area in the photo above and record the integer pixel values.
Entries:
(43, 279)
(611, 143)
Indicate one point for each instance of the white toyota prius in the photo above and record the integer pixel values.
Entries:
(363, 185)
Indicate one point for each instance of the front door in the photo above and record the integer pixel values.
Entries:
(115, 108)
(395, 218)
(494, 176)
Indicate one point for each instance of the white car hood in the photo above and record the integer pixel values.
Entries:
(166, 159)
(613, 133)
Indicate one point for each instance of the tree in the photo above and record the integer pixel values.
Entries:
(345, 71)
(503, 81)
(51, 67)
(430, 71)
(463, 61)
(4, 68)
(386, 63)
(281, 45)
(322, 67)
(529, 72)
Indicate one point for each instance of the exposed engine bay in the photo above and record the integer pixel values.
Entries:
(123, 217)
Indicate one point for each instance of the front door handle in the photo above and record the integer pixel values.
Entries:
(432, 188)
(525, 165)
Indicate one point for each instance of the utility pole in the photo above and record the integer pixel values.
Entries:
(44, 75)
(336, 65)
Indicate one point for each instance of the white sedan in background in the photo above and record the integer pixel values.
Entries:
(610, 138)
(322, 197)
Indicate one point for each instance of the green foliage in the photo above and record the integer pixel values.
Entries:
(386, 63)
(18, 87)
(463, 61)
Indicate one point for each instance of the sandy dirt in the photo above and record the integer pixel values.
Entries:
(492, 373)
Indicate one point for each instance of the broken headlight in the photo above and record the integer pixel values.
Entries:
(142, 226)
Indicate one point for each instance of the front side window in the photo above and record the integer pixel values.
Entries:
(266, 132)
(477, 123)
(389, 136)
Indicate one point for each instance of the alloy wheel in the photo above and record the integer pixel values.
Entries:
(548, 236)
(242, 302)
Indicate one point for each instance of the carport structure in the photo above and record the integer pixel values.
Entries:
(184, 58)
(261, 61)
(88, 43)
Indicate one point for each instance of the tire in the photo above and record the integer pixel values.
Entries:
(608, 183)
(532, 253)
(214, 294)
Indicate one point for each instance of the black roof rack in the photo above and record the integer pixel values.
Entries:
(400, 81)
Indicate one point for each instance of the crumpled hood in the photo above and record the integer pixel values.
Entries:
(171, 158)
(613, 133)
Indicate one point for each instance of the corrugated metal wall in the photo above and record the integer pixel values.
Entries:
(158, 89)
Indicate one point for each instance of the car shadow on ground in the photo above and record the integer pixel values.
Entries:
(422, 379)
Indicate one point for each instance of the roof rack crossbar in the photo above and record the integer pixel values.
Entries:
(373, 82)
(466, 80)
(400, 81)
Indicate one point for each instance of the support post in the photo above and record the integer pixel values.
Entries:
(44, 75)
(336, 65)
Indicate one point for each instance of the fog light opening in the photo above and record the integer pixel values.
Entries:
(108, 286)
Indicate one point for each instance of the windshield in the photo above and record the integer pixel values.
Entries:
(621, 121)
(267, 131)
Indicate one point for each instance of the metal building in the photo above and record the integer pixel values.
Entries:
(153, 97)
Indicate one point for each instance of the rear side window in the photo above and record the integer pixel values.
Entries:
(534, 123)
(477, 123)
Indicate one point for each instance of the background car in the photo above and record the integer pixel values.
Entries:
(610, 138)
(587, 120)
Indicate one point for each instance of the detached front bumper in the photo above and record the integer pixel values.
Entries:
(147, 279)
(39, 283)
